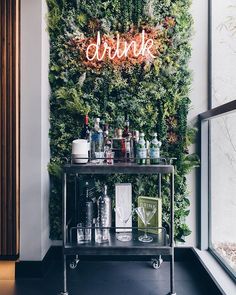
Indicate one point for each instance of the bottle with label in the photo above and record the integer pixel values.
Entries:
(88, 214)
(106, 139)
(104, 209)
(155, 150)
(126, 132)
(128, 148)
(118, 146)
(135, 140)
(86, 134)
(141, 151)
(96, 139)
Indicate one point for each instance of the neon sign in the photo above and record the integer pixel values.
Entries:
(101, 50)
(122, 50)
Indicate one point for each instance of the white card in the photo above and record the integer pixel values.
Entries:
(124, 204)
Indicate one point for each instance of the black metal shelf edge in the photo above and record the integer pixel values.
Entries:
(122, 168)
(74, 249)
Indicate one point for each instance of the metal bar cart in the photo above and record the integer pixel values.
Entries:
(162, 246)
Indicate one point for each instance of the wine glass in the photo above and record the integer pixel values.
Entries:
(124, 217)
(145, 215)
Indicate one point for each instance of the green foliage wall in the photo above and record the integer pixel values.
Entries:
(155, 96)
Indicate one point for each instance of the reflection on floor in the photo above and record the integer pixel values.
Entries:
(113, 278)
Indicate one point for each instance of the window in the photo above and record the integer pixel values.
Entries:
(223, 51)
(218, 139)
(222, 222)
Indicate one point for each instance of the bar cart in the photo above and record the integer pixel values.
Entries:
(161, 245)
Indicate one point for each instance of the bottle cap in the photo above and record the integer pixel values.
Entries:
(86, 119)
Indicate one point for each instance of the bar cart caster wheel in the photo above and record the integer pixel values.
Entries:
(73, 265)
(156, 263)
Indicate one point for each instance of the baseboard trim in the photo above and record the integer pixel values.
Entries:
(38, 269)
(9, 257)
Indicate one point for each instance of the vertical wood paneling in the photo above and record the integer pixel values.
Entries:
(9, 127)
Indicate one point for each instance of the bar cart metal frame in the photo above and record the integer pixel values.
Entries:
(113, 249)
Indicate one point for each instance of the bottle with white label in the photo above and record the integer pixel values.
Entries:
(155, 150)
(96, 139)
(141, 150)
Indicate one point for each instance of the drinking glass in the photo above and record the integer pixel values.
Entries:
(99, 157)
(110, 157)
(124, 218)
(101, 234)
(145, 214)
(80, 233)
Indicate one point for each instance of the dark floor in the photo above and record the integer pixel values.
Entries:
(113, 278)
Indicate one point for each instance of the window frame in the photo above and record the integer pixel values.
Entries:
(205, 143)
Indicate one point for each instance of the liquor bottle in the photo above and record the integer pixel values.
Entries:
(88, 207)
(104, 209)
(96, 138)
(118, 146)
(85, 132)
(88, 214)
(141, 151)
(126, 132)
(155, 150)
(128, 148)
(106, 140)
(135, 141)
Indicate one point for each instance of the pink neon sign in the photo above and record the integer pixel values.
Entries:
(117, 48)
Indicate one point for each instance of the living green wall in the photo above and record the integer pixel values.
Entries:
(155, 95)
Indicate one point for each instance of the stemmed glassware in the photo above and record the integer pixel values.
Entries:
(124, 217)
(145, 214)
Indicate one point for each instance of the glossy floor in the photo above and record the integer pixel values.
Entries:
(113, 278)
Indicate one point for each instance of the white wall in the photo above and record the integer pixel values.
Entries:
(34, 221)
(198, 96)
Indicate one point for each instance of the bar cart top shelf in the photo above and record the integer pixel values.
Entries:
(159, 245)
(122, 168)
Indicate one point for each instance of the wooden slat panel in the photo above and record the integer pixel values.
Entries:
(9, 127)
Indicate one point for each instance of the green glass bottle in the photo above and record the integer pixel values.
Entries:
(141, 150)
(155, 150)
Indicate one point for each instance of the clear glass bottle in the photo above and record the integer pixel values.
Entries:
(104, 209)
(155, 150)
(141, 150)
(96, 139)
(88, 214)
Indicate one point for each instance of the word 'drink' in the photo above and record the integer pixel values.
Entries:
(101, 50)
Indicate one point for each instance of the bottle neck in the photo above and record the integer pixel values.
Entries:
(96, 125)
(86, 120)
(105, 190)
